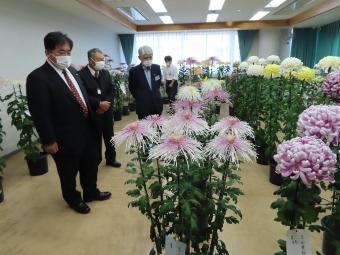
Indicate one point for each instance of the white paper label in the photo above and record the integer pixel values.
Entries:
(123, 88)
(298, 242)
(99, 91)
(173, 247)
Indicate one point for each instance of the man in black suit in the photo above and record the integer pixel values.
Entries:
(144, 84)
(100, 92)
(65, 123)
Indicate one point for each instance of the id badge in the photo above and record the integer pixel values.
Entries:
(99, 91)
(157, 78)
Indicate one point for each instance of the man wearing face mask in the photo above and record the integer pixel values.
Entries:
(100, 91)
(144, 84)
(65, 122)
(170, 74)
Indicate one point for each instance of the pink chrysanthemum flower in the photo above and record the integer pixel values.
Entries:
(233, 125)
(228, 147)
(174, 146)
(186, 123)
(187, 105)
(217, 95)
(331, 85)
(307, 158)
(154, 121)
(191, 61)
(321, 121)
(136, 134)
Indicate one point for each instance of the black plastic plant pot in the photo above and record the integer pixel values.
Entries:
(165, 100)
(132, 106)
(117, 116)
(331, 235)
(2, 196)
(274, 178)
(38, 166)
(218, 109)
(126, 111)
(262, 159)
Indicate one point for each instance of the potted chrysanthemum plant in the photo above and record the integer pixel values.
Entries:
(307, 161)
(323, 121)
(28, 140)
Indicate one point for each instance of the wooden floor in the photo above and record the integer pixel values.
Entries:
(34, 220)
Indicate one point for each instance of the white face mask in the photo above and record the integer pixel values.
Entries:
(99, 65)
(168, 64)
(63, 62)
(147, 63)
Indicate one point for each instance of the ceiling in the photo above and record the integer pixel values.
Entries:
(323, 19)
(195, 11)
(75, 8)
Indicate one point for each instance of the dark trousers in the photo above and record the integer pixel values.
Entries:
(107, 129)
(171, 92)
(86, 163)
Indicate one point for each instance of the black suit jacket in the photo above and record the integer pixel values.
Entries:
(147, 101)
(56, 114)
(105, 85)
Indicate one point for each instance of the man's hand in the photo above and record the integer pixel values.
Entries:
(51, 148)
(100, 111)
(104, 105)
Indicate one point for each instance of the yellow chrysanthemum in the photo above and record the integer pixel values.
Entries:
(271, 70)
(305, 74)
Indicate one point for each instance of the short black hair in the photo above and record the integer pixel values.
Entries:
(168, 58)
(53, 39)
(92, 52)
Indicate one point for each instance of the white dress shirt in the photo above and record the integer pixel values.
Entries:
(170, 73)
(75, 83)
(92, 71)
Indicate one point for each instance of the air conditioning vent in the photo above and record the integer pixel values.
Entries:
(294, 7)
(133, 13)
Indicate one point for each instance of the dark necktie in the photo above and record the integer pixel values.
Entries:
(96, 74)
(76, 94)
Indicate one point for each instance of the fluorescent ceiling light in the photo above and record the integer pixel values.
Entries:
(212, 17)
(216, 5)
(133, 13)
(157, 5)
(259, 15)
(166, 19)
(275, 3)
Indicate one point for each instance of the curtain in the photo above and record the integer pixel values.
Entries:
(127, 42)
(246, 39)
(201, 45)
(310, 45)
(328, 41)
(304, 45)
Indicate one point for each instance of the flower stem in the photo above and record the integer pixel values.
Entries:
(214, 238)
(294, 223)
(148, 209)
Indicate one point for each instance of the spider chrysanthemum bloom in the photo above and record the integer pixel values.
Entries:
(154, 121)
(190, 93)
(187, 123)
(331, 85)
(187, 105)
(136, 135)
(173, 146)
(233, 125)
(230, 148)
(307, 158)
(217, 95)
(321, 121)
(211, 84)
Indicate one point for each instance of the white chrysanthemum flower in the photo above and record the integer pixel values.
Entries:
(244, 66)
(189, 93)
(262, 61)
(253, 60)
(291, 64)
(210, 85)
(330, 62)
(273, 59)
(255, 70)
